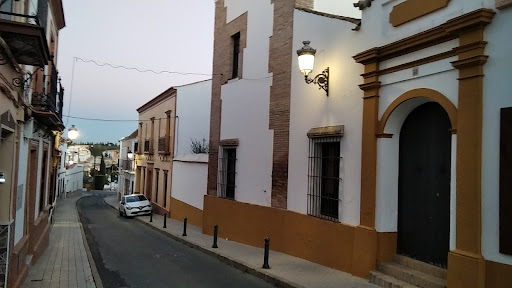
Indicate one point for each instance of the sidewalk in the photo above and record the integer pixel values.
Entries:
(286, 270)
(65, 262)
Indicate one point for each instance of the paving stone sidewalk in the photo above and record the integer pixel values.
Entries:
(286, 270)
(64, 264)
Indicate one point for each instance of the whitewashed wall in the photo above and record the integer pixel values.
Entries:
(379, 31)
(193, 110)
(310, 108)
(245, 103)
(189, 177)
(74, 178)
(497, 94)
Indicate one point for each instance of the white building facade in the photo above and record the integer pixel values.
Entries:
(190, 161)
(126, 181)
(404, 160)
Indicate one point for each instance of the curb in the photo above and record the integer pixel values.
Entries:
(92, 264)
(275, 280)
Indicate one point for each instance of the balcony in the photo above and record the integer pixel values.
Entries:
(126, 165)
(25, 36)
(45, 105)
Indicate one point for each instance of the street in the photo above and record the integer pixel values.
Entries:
(128, 253)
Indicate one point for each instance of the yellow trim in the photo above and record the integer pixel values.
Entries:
(417, 93)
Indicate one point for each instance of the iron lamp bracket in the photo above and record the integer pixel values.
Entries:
(322, 80)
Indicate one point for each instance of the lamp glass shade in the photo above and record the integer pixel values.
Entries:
(130, 155)
(306, 63)
(72, 132)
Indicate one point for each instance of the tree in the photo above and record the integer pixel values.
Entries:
(102, 166)
(199, 146)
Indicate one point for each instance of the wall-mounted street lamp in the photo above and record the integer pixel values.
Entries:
(306, 62)
(72, 132)
(2, 177)
(130, 155)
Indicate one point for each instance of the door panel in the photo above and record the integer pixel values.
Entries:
(424, 185)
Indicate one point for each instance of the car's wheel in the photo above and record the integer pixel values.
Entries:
(125, 215)
(120, 213)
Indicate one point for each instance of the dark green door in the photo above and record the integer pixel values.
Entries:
(424, 185)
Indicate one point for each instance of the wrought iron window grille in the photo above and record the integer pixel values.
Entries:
(324, 181)
(227, 172)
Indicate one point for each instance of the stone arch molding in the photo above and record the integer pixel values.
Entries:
(390, 123)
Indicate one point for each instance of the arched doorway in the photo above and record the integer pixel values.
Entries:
(424, 185)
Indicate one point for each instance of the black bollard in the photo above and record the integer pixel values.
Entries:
(184, 227)
(215, 231)
(165, 220)
(265, 258)
(151, 216)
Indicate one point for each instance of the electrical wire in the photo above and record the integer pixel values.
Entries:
(114, 66)
(111, 120)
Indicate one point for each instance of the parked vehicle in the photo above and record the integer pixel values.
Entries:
(133, 205)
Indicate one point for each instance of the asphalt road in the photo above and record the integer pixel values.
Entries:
(127, 253)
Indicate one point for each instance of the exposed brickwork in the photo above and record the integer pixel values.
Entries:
(279, 111)
(222, 64)
(307, 4)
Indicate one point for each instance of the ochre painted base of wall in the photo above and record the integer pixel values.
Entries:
(386, 246)
(465, 270)
(498, 275)
(324, 242)
(181, 210)
(18, 268)
(365, 251)
(157, 209)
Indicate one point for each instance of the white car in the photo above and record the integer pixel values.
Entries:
(133, 205)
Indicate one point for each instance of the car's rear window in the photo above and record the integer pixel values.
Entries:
(135, 198)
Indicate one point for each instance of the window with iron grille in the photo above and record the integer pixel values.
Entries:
(236, 54)
(324, 177)
(227, 172)
(146, 145)
(161, 144)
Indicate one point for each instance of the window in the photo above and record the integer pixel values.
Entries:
(505, 198)
(136, 147)
(227, 173)
(236, 53)
(161, 144)
(324, 177)
(6, 7)
(146, 145)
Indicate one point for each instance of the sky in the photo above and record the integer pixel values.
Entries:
(160, 35)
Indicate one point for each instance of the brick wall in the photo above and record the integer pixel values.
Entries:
(279, 110)
(222, 64)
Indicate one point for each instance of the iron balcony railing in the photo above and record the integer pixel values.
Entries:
(53, 100)
(126, 165)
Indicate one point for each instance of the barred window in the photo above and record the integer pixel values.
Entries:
(324, 177)
(227, 172)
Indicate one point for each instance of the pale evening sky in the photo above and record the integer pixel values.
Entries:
(161, 35)
(172, 35)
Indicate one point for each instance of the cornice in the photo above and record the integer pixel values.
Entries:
(449, 30)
